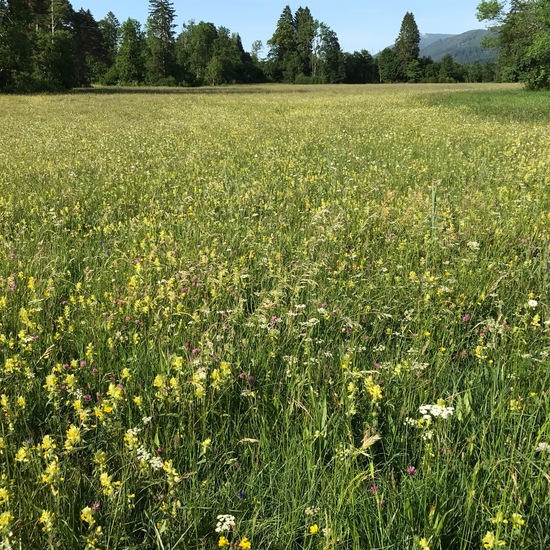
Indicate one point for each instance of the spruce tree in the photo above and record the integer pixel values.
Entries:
(129, 66)
(15, 46)
(283, 59)
(161, 52)
(407, 46)
(305, 29)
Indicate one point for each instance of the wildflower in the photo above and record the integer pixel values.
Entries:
(72, 437)
(21, 455)
(424, 543)
(223, 542)
(5, 520)
(411, 470)
(489, 540)
(313, 529)
(47, 520)
(517, 521)
(171, 473)
(532, 303)
(543, 447)
(87, 515)
(4, 496)
(245, 544)
(225, 523)
(205, 445)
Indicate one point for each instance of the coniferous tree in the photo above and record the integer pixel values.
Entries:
(16, 46)
(54, 56)
(130, 63)
(282, 57)
(387, 66)
(305, 30)
(109, 27)
(90, 53)
(407, 46)
(161, 54)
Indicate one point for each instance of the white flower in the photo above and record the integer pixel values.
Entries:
(472, 245)
(225, 523)
(532, 303)
(543, 447)
(156, 463)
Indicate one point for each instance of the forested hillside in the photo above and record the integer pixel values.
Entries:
(465, 48)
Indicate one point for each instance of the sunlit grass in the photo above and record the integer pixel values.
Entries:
(236, 303)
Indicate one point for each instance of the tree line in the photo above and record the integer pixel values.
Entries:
(47, 45)
(523, 35)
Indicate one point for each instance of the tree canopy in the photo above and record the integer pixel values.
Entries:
(47, 45)
(523, 28)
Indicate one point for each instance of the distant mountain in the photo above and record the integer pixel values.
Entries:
(428, 39)
(465, 47)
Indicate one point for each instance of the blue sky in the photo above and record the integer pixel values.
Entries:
(360, 24)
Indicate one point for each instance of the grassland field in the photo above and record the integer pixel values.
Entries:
(276, 318)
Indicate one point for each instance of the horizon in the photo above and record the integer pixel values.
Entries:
(370, 28)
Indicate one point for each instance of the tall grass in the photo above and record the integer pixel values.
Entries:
(238, 304)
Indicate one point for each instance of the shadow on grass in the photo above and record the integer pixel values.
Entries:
(203, 90)
(501, 105)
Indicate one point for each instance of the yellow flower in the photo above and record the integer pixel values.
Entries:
(4, 496)
(5, 519)
(245, 543)
(489, 540)
(47, 520)
(424, 543)
(87, 515)
(223, 542)
(314, 529)
(517, 521)
(73, 437)
(21, 455)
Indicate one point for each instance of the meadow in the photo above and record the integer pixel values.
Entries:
(275, 318)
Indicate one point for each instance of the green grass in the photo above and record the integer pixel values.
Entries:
(235, 303)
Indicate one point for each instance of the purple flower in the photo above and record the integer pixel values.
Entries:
(466, 318)
(411, 470)
(241, 495)
(374, 489)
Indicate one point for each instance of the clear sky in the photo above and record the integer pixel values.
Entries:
(359, 24)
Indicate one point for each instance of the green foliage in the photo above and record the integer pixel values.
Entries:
(54, 63)
(283, 55)
(325, 315)
(160, 52)
(16, 47)
(407, 46)
(129, 66)
(387, 65)
(360, 68)
(524, 39)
